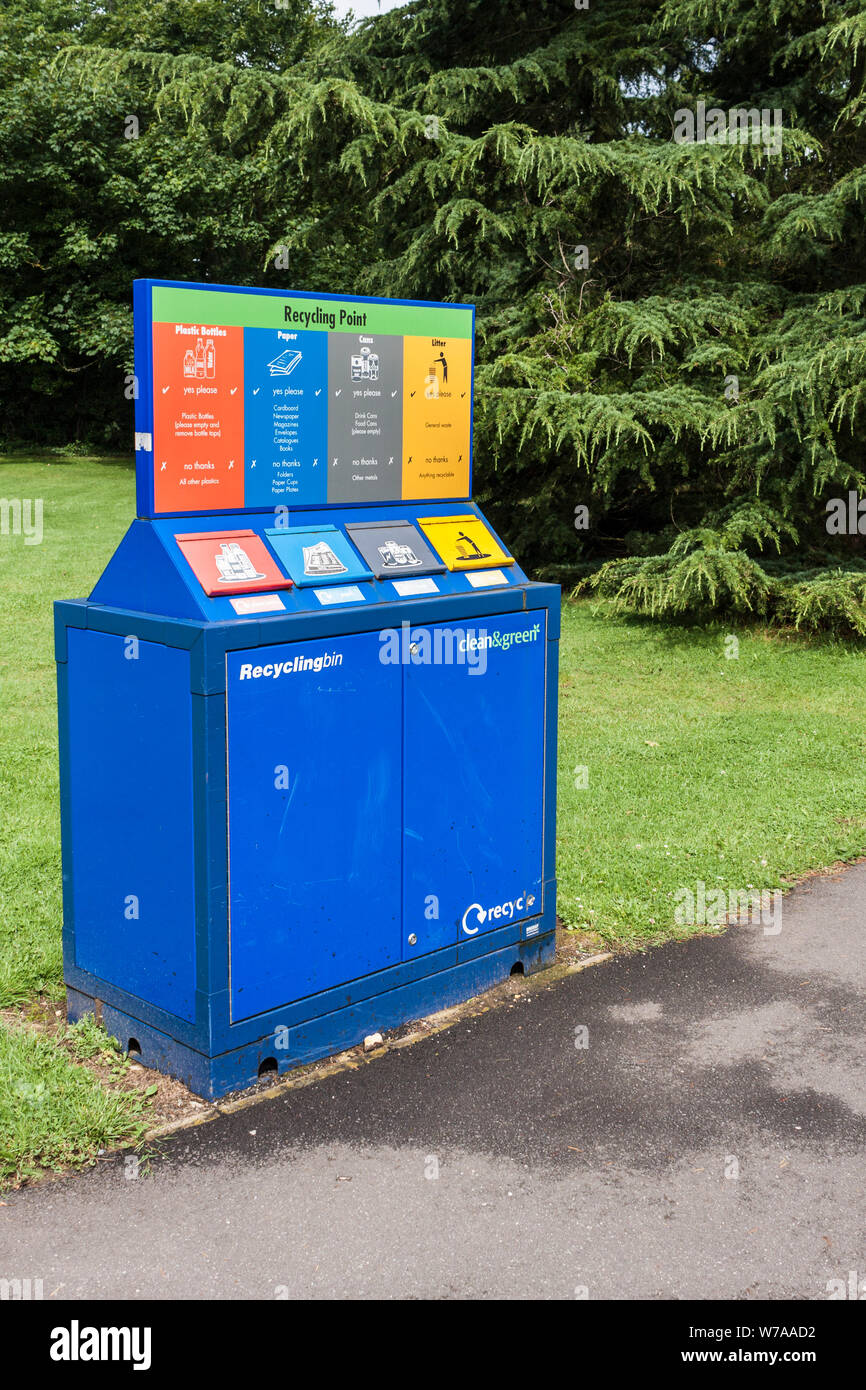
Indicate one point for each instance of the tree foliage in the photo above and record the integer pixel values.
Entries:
(98, 185)
(669, 334)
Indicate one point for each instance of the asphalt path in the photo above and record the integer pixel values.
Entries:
(687, 1123)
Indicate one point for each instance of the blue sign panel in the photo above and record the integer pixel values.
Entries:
(285, 417)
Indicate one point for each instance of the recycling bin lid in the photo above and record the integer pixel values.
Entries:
(394, 549)
(231, 562)
(317, 555)
(464, 542)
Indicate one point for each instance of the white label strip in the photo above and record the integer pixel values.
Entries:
(257, 603)
(405, 587)
(485, 579)
(344, 593)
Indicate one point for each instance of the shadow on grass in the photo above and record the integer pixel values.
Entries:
(685, 631)
(13, 454)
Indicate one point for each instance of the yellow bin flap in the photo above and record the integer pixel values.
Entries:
(464, 542)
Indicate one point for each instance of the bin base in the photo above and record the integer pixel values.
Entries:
(234, 1070)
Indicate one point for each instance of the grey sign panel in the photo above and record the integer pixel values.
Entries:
(365, 417)
(394, 551)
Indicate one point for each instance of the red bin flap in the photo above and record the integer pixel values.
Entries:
(231, 562)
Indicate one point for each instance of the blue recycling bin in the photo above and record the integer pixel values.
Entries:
(307, 751)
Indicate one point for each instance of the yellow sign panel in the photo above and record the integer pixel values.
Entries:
(437, 411)
(464, 542)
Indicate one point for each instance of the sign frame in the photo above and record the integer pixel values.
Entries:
(144, 394)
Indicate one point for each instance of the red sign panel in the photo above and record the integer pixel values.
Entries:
(198, 417)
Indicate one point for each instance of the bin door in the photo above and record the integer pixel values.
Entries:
(314, 818)
(474, 741)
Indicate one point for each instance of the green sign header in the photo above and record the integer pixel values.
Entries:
(232, 309)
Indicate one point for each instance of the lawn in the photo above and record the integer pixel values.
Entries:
(679, 763)
(53, 1111)
(87, 506)
(737, 771)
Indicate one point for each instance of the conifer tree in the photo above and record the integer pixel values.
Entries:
(670, 286)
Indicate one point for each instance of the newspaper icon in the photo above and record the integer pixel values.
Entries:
(286, 363)
(320, 560)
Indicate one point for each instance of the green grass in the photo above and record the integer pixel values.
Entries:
(54, 1114)
(738, 772)
(87, 506)
(741, 773)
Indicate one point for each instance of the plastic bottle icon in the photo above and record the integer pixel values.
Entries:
(189, 363)
(210, 358)
(234, 564)
(199, 359)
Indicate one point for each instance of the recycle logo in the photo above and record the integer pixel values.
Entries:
(480, 914)
(502, 912)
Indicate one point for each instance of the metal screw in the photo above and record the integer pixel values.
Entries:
(413, 646)
(413, 940)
